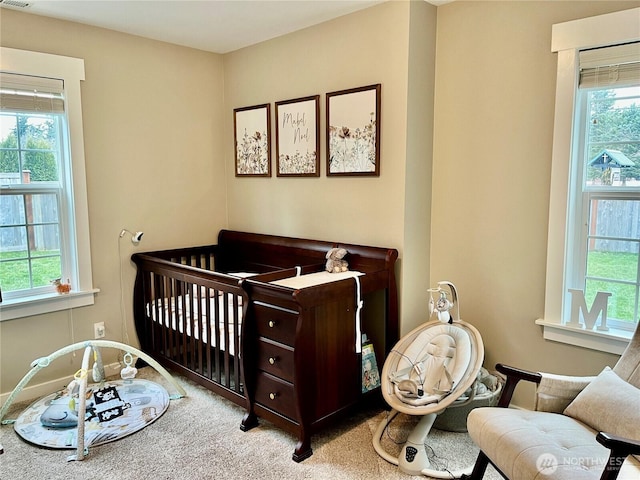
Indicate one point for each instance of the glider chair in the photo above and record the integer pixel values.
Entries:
(582, 428)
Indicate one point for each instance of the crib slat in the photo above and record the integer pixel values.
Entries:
(226, 339)
(187, 321)
(173, 301)
(205, 328)
(216, 332)
(236, 342)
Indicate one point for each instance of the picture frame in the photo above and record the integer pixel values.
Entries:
(353, 132)
(298, 137)
(252, 141)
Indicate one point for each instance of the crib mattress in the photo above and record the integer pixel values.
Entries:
(192, 313)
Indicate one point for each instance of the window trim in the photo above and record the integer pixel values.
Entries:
(567, 39)
(71, 70)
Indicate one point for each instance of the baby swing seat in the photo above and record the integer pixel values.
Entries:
(426, 372)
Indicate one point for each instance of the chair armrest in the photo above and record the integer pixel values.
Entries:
(518, 373)
(620, 448)
(514, 375)
(619, 444)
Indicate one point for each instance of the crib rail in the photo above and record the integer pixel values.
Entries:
(189, 317)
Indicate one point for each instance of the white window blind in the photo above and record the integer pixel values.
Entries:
(614, 66)
(25, 93)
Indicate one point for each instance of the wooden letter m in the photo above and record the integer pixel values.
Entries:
(578, 304)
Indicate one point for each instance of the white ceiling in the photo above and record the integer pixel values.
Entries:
(219, 26)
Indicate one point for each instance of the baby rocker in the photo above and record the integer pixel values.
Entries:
(427, 371)
(84, 414)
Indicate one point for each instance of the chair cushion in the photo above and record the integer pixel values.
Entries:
(555, 392)
(608, 404)
(537, 445)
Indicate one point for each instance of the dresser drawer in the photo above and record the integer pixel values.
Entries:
(276, 324)
(275, 394)
(277, 359)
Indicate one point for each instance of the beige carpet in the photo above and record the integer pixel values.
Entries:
(199, 438)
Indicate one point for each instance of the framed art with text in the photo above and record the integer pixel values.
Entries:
(353, 131)
(298, 137)
(252, 136)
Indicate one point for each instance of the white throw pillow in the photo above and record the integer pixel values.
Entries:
(608, 404)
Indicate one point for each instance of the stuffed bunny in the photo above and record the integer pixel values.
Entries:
(335, 262)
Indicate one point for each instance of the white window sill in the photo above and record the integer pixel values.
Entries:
(39, 304)
(611, 341)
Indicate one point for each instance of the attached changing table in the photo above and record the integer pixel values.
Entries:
(302, 345)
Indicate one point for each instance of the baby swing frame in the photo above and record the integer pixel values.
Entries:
(413, 458)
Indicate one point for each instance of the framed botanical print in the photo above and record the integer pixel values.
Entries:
(353, 131)
(298, 137)
(252, 136)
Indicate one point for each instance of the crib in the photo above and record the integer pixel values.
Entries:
(188, 317)
(225, 316)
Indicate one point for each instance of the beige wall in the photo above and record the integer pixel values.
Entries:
(488, 135)
(417, 191)
(361, 49)
(495, 92)
(153, 146)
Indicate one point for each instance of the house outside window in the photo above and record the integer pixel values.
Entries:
(592, 247)
(44, 234)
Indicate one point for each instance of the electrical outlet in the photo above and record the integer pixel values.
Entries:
(98, 330)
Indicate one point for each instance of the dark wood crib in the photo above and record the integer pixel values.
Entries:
(256, 319)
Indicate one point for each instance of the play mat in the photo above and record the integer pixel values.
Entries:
(114, 410)
(108, 409)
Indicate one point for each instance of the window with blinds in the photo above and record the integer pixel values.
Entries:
(33, 200)
(44, 218)
(605, 199)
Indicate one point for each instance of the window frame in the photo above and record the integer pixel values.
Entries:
(568, 39)
(583, 196)
(71, 71)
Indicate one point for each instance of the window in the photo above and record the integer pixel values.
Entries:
(587, 189)
(604, 211)
(43, 211)
(32, 164)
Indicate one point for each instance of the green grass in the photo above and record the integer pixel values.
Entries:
(613, 266)
(14, 269)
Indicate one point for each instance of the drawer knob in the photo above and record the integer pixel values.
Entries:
(273, 396)
(272, 360)
(272, 323)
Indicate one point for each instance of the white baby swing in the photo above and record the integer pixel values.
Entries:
(426, 372)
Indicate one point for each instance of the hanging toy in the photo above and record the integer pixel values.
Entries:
(97, 372)
(442, 305)
(128, 372)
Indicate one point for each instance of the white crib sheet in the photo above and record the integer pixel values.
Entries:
(176, 310)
